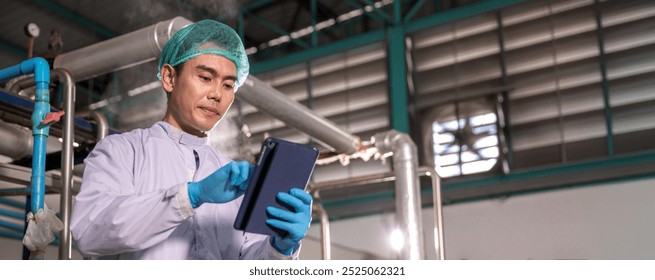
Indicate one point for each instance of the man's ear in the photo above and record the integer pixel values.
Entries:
(168, 77)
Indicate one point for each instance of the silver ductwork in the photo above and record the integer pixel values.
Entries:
(293, 114)
(408, 196)
(121, 52)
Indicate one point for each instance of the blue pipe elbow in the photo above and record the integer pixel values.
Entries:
(38, 65)
(41, 69)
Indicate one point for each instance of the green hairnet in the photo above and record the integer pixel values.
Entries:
(206, 37)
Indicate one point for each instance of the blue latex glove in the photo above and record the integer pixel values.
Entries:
(224, 185)
(295, 222)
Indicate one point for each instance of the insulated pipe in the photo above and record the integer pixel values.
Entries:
(65, 201)
(121, 52)
(17, 141)
(41, 70)
(293, 114)
(408, 199)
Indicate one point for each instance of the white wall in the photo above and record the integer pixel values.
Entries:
(607, 221)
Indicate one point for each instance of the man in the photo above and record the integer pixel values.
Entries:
(164, 192)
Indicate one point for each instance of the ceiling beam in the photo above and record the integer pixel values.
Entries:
(324, 13)
(321, 51)
(299, 7)
(15, 49)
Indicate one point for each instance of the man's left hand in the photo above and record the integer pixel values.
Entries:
(295, 222)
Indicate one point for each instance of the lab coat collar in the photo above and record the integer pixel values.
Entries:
(182, 137)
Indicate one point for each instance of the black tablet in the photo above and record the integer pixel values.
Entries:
(282, 165)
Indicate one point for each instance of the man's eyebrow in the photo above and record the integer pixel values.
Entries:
(214, 72)
(208, 69)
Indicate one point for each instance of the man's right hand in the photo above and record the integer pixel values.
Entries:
(224, 185)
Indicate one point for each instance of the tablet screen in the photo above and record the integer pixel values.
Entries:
(282, 165)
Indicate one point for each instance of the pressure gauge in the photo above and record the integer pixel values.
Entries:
(32, 30)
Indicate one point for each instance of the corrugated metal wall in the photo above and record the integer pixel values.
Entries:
(544, 56)
(552, 78)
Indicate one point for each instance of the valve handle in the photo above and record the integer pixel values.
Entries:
(52, 117)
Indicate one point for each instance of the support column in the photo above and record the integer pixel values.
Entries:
(397, 71)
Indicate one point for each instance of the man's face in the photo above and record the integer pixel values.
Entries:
(200, 94)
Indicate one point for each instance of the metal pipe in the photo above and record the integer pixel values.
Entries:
(41, 70)
(121, 52)
(408, 199)
(293, 114)
(325, 231)
(438, 214)
(101, 121)
(353, 181)
(390, 176)
(22, 175)
(66, 196)
(17, 141)
(131, 49)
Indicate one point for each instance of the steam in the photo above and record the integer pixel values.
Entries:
(218, 9)
(150, 11)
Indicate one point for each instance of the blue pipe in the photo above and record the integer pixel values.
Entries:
(41, 70)
(13, 235)
(12, 226)
(12, 214)
(12, 203)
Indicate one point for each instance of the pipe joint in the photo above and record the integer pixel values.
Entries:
(397, 142)
(41, 69)
(408, 200)
(41, 108)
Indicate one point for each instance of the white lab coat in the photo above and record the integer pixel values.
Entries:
(134, 204)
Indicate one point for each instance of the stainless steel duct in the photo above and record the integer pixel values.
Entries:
(17, 141)
(118, 53)
(408, 196)
(66, 194)
(293, 114)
